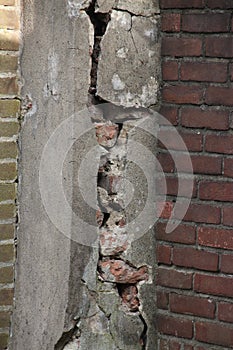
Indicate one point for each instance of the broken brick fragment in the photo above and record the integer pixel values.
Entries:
(129, 295)
(118, 271)
(106, 134)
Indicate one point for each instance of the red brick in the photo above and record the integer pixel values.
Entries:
(225, 312)
(174, 279)
(219, 96)
(9, 86)
(182, 234)
(231, 66)
(203, 213)
(215, 285)
(174, 184)
(166, 162)
(173, 4)
(190, 305)
(180, 47)
(170, 70)
(198, 259)
(228, 167)
(162, 300)
(206, 164)
(219, 144)
(215, 237)
(227, 216)
(216, 191)
(170, 22)
(169, 113)
(208, 118)
(182, 94)
(206, 23)
(175, 326)
(201, 164)
(219, 47)
(219, 4)
(214, 333)
(183, 142)
(166, 344)
(204, 71)
(227, 263)
(188, 347)
(163, 254)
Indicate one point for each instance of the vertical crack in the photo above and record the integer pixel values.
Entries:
(100, 22)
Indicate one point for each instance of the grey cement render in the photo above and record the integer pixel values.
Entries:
(57, 290)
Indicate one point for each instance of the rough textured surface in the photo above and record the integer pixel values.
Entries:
(130, 77)
(49, 268)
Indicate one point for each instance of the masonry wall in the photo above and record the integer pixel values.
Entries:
(9, 127)
(195, 263)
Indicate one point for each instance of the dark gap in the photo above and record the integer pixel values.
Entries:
(100, 22)
(143, 337)
(65, 339)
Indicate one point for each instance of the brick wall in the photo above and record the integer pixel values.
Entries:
(195, 262)
(9, 127)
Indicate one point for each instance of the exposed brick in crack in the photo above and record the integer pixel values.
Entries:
(67, 337)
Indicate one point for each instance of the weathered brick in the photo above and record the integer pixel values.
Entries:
(174, 184)
(3, 340)
(182, 234)
(214, 285)
(8, 171)
(219, 144)
(214, 334)
(165, 4)
(217, 191)
(198, 259)
(204, 71)
(9, 19)
(7, 211)
(225, 312)
(227, 263)
(180, 47)
(178, 327)
(170, 113)
(170, 22)
(206, 164)
(8, 63)
(219, 96)
(6, 231)
(190, 305)
(208, 118)
(4, 319)
(219, 47)
(227, 217)
(9, 108)
(162, 300)
(6, 296)
(216, 4)
(9, 40)
(163, 254)
(168, 138)
(170, 70)
(9, 129)
(203, 213)
(206, 22)
(228, 167)
(182, 94)
(6, 274)
(9, 86)
(215, 237)
(6, 253)
(7, 192)
(8, 150)
(174, 279)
